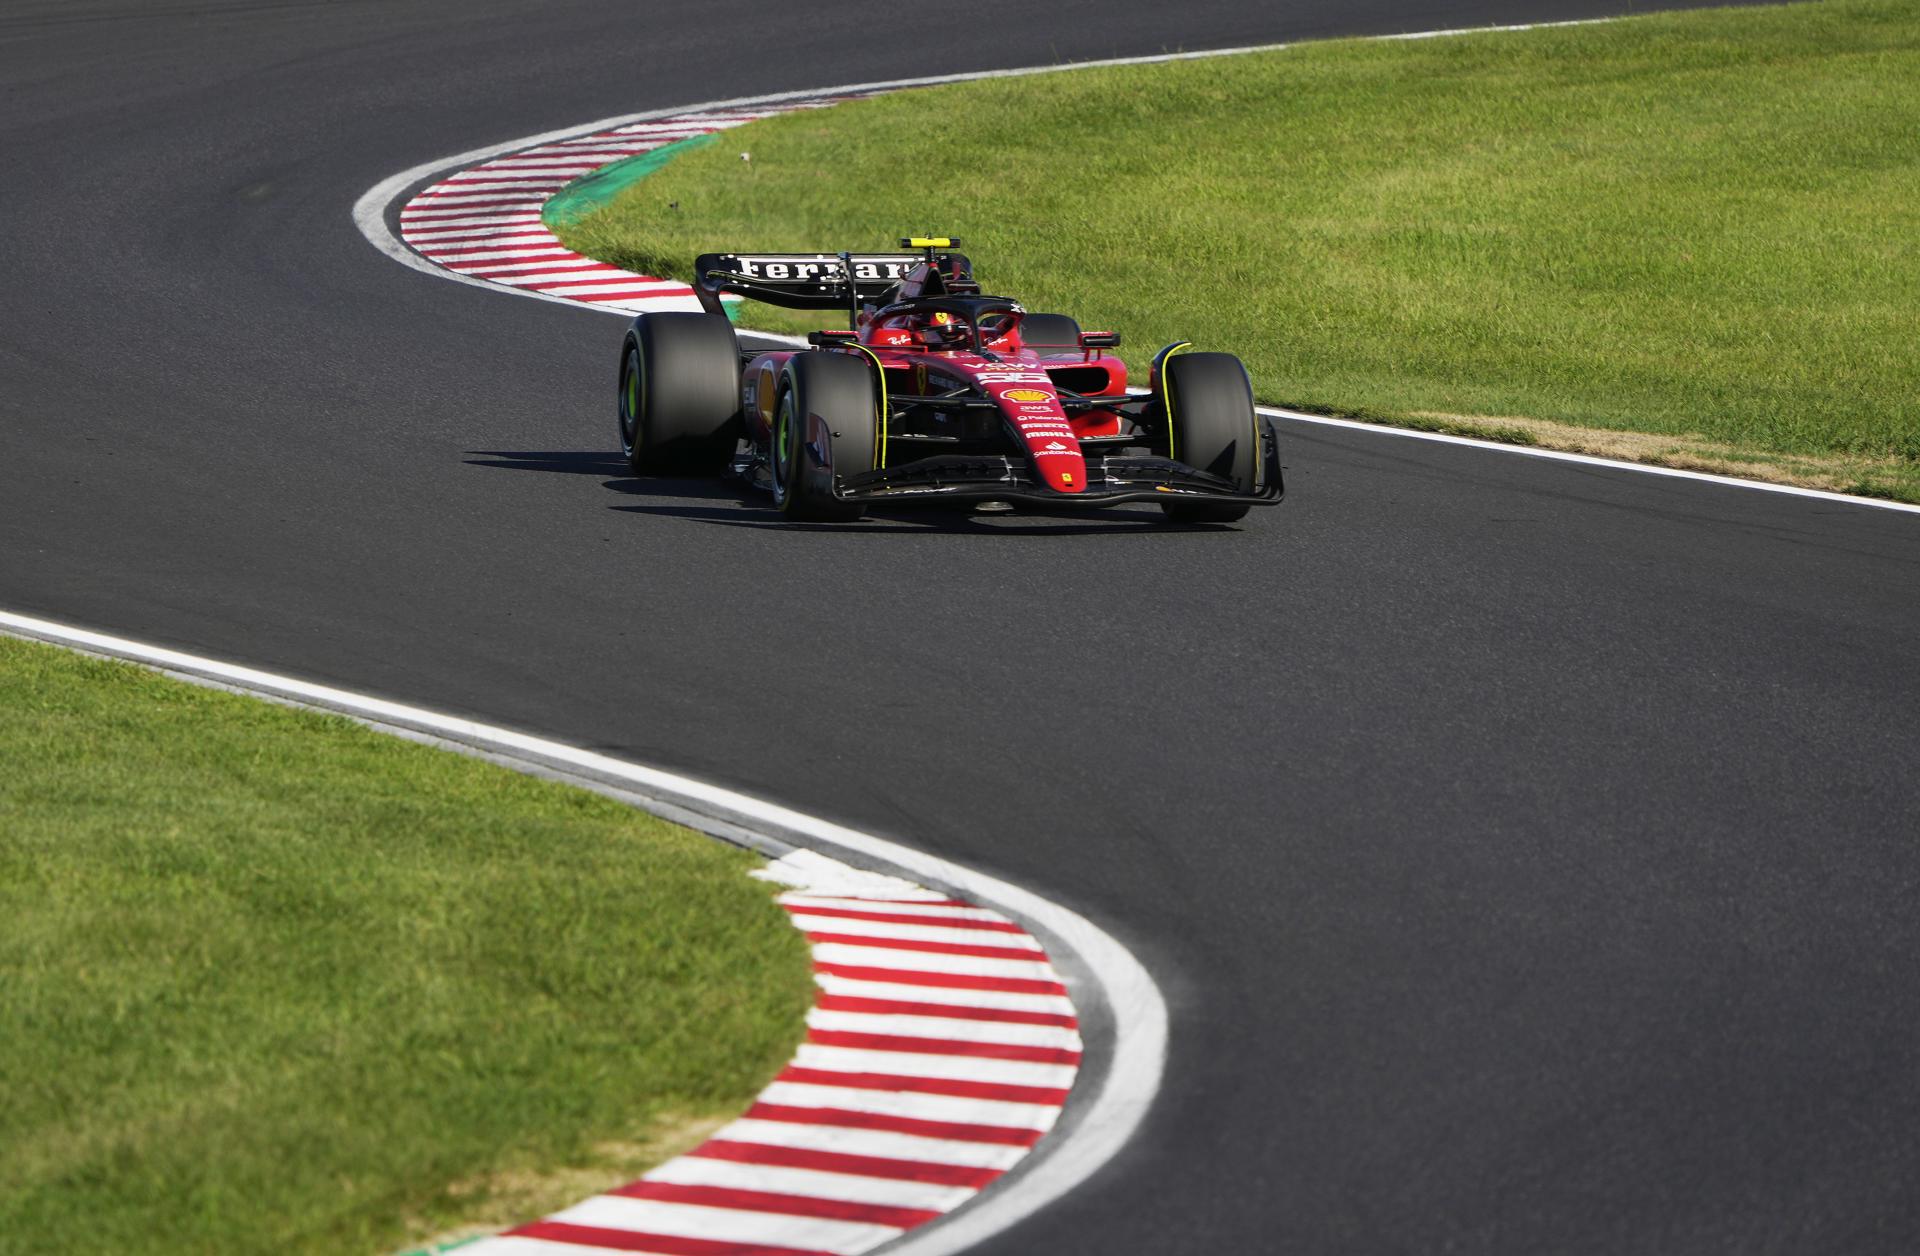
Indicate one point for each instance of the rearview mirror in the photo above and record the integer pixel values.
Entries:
(1099, 339)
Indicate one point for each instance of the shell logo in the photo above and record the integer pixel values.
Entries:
(1026, 394)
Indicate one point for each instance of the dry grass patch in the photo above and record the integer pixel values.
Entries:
(491, 1202)
(1887, 477)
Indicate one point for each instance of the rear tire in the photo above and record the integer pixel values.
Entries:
(1208, 400)
(679, 408)
(1050, 333)
(825, 426)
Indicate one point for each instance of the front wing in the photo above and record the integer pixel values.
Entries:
(1111, 480)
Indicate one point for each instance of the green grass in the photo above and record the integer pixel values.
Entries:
(1703, 226)
(272, 982)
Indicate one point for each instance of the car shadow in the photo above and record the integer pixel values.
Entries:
(729, 503)
(560, 461)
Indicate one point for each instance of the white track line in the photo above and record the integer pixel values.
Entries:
(1590, 460)
(1102, 1121)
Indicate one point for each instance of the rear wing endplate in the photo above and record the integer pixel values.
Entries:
(806, 281)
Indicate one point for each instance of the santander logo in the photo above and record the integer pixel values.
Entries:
(1050, 439)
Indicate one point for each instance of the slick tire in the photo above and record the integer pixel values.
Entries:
(679, 407)
(1211, 427)
(1050, 333)
(825, 425)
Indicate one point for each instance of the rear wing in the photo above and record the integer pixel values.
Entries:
(808, 281)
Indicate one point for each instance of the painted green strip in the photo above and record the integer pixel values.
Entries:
(590, 191)
(439, 1249)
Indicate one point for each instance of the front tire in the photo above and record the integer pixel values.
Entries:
(825, 426)
(679, 411)
(1211, 426)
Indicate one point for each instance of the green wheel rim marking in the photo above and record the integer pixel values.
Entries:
(784, 451)
(633, 397)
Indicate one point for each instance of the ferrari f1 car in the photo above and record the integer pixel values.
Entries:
(934, 393)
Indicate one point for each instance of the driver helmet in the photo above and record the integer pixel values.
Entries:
(942, 329)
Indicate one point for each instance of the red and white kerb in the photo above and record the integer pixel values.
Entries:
(484, 222)
(939, 1050)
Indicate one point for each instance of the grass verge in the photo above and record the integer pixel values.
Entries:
(273, 982)
(1697, 226)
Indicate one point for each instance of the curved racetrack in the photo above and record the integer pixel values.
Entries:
(1527, 850)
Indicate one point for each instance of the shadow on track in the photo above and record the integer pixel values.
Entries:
(563, 462)
(728, 503)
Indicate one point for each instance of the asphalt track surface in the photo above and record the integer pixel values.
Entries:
(1527, 850)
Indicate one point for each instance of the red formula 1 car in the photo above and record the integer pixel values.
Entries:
(936, 393)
